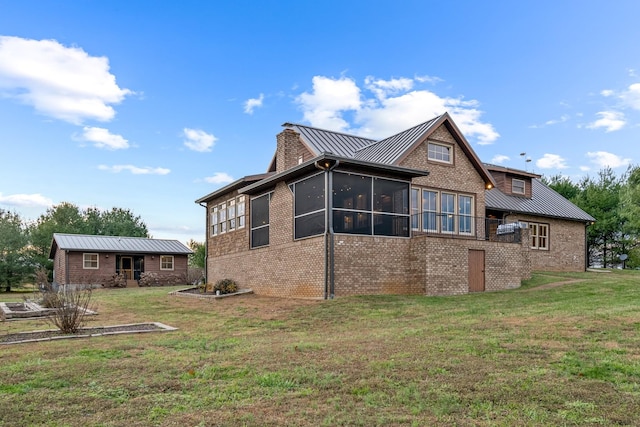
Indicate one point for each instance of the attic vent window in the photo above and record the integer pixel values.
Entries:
(439, 152)
(517, 186)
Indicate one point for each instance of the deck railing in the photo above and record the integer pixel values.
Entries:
(465, 226)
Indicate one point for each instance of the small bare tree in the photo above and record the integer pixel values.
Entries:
(70, 304)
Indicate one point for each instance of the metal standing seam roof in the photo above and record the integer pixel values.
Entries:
(84, 242)
(326, 141)
(389, 150)
(544, 202)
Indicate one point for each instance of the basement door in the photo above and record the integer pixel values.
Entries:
(476, 270)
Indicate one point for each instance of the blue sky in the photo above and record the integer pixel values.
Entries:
(149, 105)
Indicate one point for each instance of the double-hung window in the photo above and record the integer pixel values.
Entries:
(442, 212)
(166, 262)
(90, 261)
(539, 235)
(227, 216)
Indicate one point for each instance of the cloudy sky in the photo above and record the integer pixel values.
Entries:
(150, 105)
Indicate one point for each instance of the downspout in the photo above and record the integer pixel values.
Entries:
(329, 270)
(206, 242)
(586, 247)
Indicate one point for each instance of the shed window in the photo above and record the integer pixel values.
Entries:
(90, 261)
(166, 262)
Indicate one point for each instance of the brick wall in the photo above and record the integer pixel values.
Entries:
(566, 244)
(289, 150)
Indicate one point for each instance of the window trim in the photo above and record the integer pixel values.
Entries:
(220, 220)
(513, 187)
(84, 261)
(448, 147)
(162, 257)
(535, 237)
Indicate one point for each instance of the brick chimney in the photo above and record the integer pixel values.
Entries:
(287, 150)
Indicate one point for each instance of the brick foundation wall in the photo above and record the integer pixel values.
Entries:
(566, 244)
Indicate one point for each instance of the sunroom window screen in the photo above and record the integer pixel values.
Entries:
(260, 221)
(366, 205)
(309, 210)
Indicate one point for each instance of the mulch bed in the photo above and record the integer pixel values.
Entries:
(54, 334)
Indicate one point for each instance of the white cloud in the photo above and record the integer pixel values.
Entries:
(562, 119)
(330, 97)
(136, 170)
(631, 96)
(198, 140)
(609, 120)
(499, 159)
(602, 159)
(393, 105)
(551, 161)
(62, 82)
(219, 178)
(102, 138)
(26, 200)
(585, 168)
(253, 103)
(428, 79)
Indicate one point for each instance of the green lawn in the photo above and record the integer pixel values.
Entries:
(568, 355)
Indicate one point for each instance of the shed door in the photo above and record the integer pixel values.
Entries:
(476, 270)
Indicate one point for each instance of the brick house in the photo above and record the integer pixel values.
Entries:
(405, 215)
(557, 227)
(80, 259)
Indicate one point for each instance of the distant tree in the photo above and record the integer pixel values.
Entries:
(601, 199)
(14, 262)
(116, 222)
(68, 218)
(197, 259)
(563, 185)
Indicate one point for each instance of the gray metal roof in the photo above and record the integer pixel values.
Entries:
(390, 149)
(326, 141)
(84, 242)
(545, 202)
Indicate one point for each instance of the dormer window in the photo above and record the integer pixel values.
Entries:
(517, 186)
(440, 152)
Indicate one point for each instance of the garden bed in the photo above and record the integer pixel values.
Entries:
(197, 293)
(96, 331)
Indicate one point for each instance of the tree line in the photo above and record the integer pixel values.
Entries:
(614, 201)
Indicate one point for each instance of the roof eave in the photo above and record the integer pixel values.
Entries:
(233, 186)
(315, 164)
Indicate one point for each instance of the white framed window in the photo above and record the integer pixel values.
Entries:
(213, 220)
(539, 236)
(228, 216)
(440, 152)
(166, 262)
(518, 186)
(90, 261)
(442, 212)
(231, 214)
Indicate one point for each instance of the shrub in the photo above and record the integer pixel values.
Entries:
(116, 281)
(226, 286)
(149, 279)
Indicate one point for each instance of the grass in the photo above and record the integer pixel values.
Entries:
(568, 355)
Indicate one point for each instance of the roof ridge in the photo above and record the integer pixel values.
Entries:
(289, 124)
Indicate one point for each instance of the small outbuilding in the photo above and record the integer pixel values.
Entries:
(80, 259)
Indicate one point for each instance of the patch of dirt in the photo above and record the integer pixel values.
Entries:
(554, 285)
